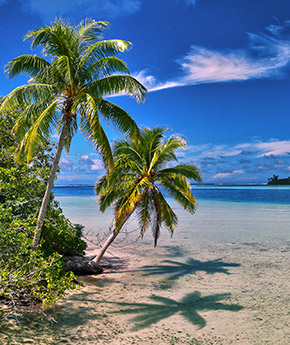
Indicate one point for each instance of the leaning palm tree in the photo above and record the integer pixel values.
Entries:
(137, 182)
(80, 71)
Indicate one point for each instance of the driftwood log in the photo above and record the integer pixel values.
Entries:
(82, 265)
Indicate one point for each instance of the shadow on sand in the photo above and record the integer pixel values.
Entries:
(86, 310)
(188, 307)
(173, 270)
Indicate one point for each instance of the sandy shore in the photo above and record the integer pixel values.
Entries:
(214, 293)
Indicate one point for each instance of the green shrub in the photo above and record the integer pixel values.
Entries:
(28, 276)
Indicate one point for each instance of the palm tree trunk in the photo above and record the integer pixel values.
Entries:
(45, 200)
(104, 248)
(109, 240)
(96, 260)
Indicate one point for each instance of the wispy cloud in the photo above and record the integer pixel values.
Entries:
(266, 56)
(228, 174)
(255, 161)
(66, 164)
(275, 148)
(152, 84)
(93, 164)
(254, 148)
(249, 161)
(264, 59)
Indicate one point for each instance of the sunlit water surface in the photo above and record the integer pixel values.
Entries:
(224, 214)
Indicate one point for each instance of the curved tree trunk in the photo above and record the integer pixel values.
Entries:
(105, 246)
(96, 260)
(45, 200)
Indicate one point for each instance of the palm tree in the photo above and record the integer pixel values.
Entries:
(81, 70)
(140, 175)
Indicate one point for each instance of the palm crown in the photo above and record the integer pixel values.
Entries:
(82, 69)
(141, 174)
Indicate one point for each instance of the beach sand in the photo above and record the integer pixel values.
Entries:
(202, 293)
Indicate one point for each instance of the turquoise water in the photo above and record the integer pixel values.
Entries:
(232, 214)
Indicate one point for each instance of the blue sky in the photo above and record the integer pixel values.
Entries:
(217, 73)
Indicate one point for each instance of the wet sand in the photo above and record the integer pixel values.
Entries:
(202, 293)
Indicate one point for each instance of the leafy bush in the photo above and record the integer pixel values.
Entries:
(28, 276)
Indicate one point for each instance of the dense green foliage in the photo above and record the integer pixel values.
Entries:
(28, 276)
(275, 180)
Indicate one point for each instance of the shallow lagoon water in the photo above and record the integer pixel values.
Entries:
(224, 214)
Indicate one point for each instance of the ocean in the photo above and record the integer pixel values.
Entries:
(224, 214)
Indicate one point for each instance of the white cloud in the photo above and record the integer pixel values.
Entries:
(255, 148)
(266, 57)
(276, 148)
(93, 164)
(65, 161)
(66, 164)
(97, 165)
(152, 84)
(203, 65)
(214, 151)
(227, 175)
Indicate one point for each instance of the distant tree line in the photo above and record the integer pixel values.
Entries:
(275, 180)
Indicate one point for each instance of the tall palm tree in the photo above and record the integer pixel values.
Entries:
(143, 169)
(80, 71)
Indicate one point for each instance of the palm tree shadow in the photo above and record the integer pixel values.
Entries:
(175, 269)
(189, 306)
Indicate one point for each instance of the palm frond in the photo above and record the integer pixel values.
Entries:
(117, 116)
(167, 152)
(144, 211)
(25, 94)
(151, 141)
(103, 49)
(179, 189)
(128, 203)
(90, 30)
(52, 76)
(169, 218)
(57, 40)
(28, 116)
(116, 85)
(40, 130)
(190, 171)
(65, 66)
(123, 149)
(92, 129)
(101, 68)
(28, 64)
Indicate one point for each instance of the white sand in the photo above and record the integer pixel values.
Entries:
(243, 298)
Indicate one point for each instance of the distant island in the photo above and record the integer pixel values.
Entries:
(275, 180)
